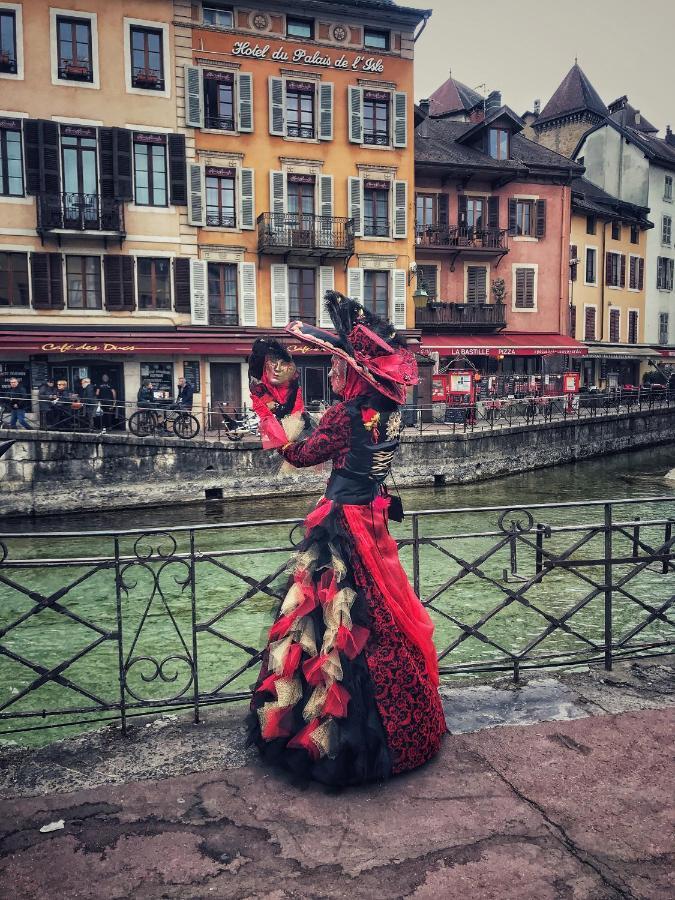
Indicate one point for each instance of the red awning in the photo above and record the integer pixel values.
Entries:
(670, 354)
(503, 344)
(109, 343)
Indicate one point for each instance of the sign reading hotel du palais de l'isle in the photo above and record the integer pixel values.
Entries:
(282, 53)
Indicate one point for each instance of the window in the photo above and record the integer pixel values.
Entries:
(476, 284)
(425, 211)
(74, 49)
(633, 319)
(591, 267)
(634, 234)
(615, 325)
(8, 59)
(219, 100)
(375, 40)
(666, 230)
(498, 143)
(376, 292)
(427, 277)
(615, 275)
(154, 283)
(525, 289)
(300, 109)
(83, 282)
(664, 273)
(663, 328)
(147, 62)
(376, 118)
(79, 177)
(476, 212)
(590, 224)
(13, 279)
(223, 304)
(376, 208)
(150, 169)
(300, 28)
(616, 231)
(302, 294)
(220, 197)
(11, 169)
(668, 188)
(525, 218)
(589, 323)
(636, 273)
(300, 195)
(221, 17)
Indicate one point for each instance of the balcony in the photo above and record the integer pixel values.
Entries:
(457, 317)
(479, 242)
(80, 214)
(305, 235)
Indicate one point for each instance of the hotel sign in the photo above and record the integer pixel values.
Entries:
(299, 56)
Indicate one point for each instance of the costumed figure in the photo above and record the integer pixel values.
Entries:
(276, 396)
(348, 689)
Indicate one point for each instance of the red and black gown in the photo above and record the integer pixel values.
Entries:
(348, 689)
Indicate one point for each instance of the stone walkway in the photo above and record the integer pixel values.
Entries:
(577, 808)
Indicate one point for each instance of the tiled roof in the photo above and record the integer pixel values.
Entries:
(453, 97)
(654, 148)
(589, 198)
(380, 4)
(628, 115)
(574, 94)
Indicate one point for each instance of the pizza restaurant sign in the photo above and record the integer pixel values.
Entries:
(302, 57)
(88, 348)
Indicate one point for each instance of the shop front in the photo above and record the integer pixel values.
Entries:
(617, 366)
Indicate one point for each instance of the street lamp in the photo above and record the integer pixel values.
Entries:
(420, 296)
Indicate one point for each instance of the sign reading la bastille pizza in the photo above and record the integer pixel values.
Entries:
(300, 56)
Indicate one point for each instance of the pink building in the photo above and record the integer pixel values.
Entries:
(492, 237)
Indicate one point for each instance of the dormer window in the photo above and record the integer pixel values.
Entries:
(498, 143)
(217, 15)
(300, 28)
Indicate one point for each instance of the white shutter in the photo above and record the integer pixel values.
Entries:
(246, 199)
(245, 85)
(197, 206)
(400, 120)
(326, 111)
(355, 284)
(276, 89)
(277, 192)
(355, 115)
(194, 111)
(199, 298)
(400, 209)
(279, 277)
(399, 290)
(326, 283)
(325, 233)
(248, 314)
(356, 204)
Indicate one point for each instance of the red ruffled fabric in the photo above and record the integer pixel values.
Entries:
(351, 643)
(303, 740)
(278, 723)
(313, 669)
(337, 701)
(292, 662)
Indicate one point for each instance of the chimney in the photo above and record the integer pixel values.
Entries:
(536, 109)
(638, 118)
(425, 106)
(670, 137)
(493, 102)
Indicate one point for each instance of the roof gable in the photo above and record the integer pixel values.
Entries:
(574, 94)
(453, 97)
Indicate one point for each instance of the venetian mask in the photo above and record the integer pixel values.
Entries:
(279, 371)
(338, 375)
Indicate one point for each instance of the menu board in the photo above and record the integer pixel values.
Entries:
(191, 374)
(39, 370)
(18, 370)
(161, 376)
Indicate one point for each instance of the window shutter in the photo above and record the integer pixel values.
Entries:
(246, 199)
(641, 274)
(622, 282)
(520, 288)
(529, 288)
(400, 119)
(461, 210)
(589, 324)
(632, 272)
(400, 209)
(356, 205)
(106, 156)
(355, 284)
(31, 143)
(248, 309)
(573, 321)
(481, 285)
(51, 155)
(355, 115)
(513, 216)
(573, 265)
(122, 164)
(278, 193)
(326, 283)
(326, 196)
(245, 87)
(541, 218)
(493, 212)
(194, 104)
(199, 297)
(399, 287)
(119, 282)
(608, 268)
(177, 170)
(181, 284)
(326, 92)
(443, 213)
(47, 280)
(471, 284)
(197, 205)
(42, 156)
(427, 276)
(279, 278)
(276, 101)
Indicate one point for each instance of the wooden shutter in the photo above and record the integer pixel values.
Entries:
(540, 218)
(277, 192)
(523, 288)
(614, 325)
(399, 289)
(197, 204)
(641, 274)
(248, 307)
(622, 276)
(246, 199)
(573, 265)
(194, 101)
(276, 104)
(245, 92)
(120, 293)
(355, 212)
(41, 138)
(427, 277)
(573, 321)
(326, 196)
(476, 282)
(400, 119)
(279, 278)
(326, 104)
(461, 210)
(181, 284)
(513, 216)
(400, 209)
(355, 284)
(31, 146)
(123, 162)
(589, 324)
(493, 212)
(632, 272)
(608, 269)
(443, 213)
(355, 98)
(106, 161)
(326, 283)
(47, 280)
(199, 295)
(177, 170)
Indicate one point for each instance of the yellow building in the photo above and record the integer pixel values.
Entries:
(607, 286)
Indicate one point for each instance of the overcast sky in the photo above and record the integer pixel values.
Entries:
(525, 48)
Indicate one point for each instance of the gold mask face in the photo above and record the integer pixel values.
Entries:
(279, 372)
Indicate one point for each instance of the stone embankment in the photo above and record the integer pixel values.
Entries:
(54, 472)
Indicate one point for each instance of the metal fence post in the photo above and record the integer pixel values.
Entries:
(539, 560)
(667, 539)
(636, 539)
(193, 601)
(120, 651)
(608, 587)
(416, 554)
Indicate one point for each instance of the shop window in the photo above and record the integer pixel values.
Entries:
(83, 282)
(376, 292)
(160, 375)
(223, 295)
(14, 289)
(154, 282)
(150, 174)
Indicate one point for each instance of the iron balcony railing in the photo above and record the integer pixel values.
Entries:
(217, 218)
(305, 234)
(444, 237)
(76, 70)
(301, 131)
(80, 212)
(219, 123)
(148, 79)
(439, 316)
(376, 138)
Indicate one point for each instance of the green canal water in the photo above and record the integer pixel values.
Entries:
(157, 611)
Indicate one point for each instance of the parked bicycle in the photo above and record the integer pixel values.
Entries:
(237, 427)
(156, 421)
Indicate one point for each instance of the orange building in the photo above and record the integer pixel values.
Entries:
(301, 166)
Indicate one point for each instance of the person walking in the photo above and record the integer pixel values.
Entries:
(46, 394)
(90, 401)
(18, 402)
(107, 396)
(185, 394)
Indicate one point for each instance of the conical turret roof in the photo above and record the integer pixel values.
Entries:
(574, 94)
(453, 97)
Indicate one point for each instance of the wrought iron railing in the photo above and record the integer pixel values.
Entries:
(148, 79)
(300, 131)
(113, 624)
(305, 233)
(79, 212)
(219, 123)
(462, 237)
(376, 138)
(461, 316)
(218, 218)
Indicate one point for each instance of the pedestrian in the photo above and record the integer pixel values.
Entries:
(89, 401)
(46, 394)
(18, 402)
(107, 396)
(62, 411)
(145, 396)
(185, 394)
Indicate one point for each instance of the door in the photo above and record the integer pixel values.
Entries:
(80, 181)
(225, 387)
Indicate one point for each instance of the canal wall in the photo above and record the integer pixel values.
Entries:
(47, 472)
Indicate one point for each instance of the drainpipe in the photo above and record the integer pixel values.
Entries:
(603, 284)
(418, 34)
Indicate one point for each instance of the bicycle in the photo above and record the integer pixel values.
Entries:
(237, 427)
(150, 422)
